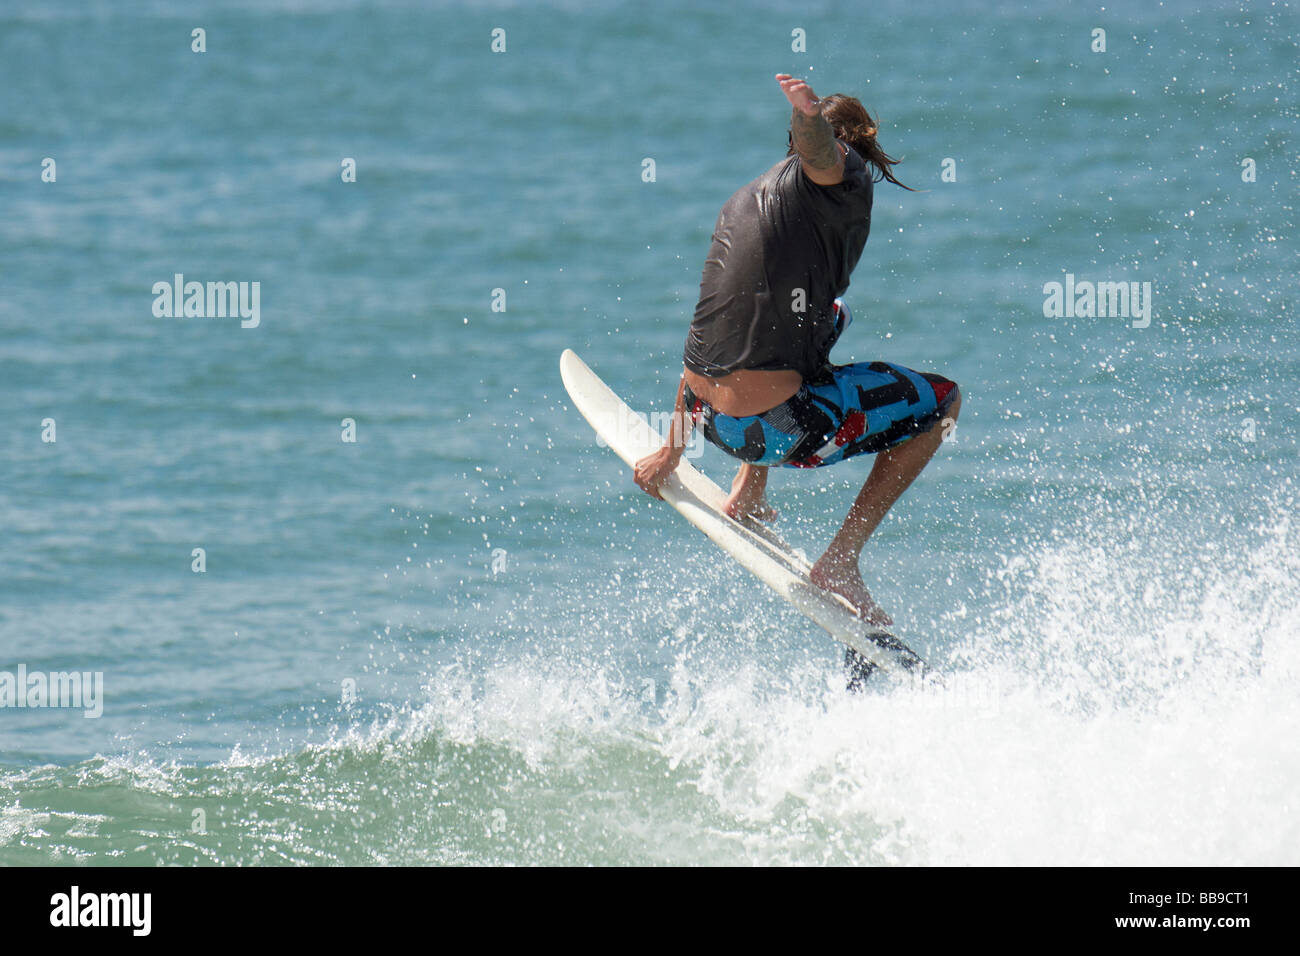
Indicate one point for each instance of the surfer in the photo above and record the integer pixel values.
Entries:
(757, 375)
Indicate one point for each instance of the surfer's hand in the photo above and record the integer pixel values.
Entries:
(651, 470)
(799, 93)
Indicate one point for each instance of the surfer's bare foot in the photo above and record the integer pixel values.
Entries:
(841, 576)
(747, 499)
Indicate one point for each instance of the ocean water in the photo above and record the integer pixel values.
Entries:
(466, 637)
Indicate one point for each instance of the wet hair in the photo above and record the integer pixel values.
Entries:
(853, 124)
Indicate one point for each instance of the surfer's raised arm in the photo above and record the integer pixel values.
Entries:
(810, 134)
(651, 471)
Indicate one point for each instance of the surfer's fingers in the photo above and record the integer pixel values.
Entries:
(646, 485)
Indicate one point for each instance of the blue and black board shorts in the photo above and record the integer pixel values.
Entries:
(848, 410)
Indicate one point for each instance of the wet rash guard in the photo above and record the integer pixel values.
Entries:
(783, 248)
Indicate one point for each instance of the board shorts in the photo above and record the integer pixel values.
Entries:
(847, 410)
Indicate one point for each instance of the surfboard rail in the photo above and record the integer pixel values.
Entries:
(759, 550)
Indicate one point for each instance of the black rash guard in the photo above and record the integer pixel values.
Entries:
(779, 234)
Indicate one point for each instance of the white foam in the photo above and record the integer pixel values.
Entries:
(1100, 717)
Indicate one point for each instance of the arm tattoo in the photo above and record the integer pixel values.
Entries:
(814, 140)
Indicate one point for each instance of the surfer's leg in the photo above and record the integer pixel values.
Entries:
(747, 494)
(758, 441)
(895, 468)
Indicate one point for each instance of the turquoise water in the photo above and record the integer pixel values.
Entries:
(466, 636)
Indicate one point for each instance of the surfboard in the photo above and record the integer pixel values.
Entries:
(756, 547)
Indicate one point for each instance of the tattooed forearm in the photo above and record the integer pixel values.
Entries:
(814, 140)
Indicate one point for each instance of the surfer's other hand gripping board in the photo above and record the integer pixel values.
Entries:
(759, 549)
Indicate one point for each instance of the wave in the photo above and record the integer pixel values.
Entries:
(1121, 702)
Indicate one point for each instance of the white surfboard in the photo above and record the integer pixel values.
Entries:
(759, 549)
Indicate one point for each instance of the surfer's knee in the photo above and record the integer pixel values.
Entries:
(954, 407)
(948, 399)
(944, 417)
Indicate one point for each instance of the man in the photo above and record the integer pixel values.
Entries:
(757, 373)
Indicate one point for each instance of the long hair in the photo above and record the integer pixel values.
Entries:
(853, 124)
